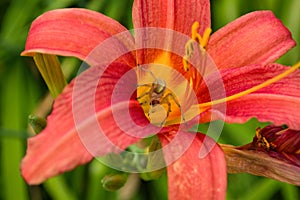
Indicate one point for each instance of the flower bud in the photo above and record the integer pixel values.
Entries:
(155, 161)
(37, 123)
(113, 182)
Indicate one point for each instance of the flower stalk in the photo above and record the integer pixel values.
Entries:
(37, 123)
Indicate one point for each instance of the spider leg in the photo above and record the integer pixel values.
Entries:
(139, 97)
(147, 70)
(145, 94)
(167, 99)
(144, 85)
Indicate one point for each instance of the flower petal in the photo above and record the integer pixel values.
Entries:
(49, 154)
(175, 17)
(71, 32)
(257, 37)
(192, 177)
(278, 102)
(178, 15)
(74, 135)
(278, 109)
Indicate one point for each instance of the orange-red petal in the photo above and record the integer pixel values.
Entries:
(257, 37)
(178, 15)
(71, 32)
(277, 103)
(193, 176)
(174, 15)
(85, 122)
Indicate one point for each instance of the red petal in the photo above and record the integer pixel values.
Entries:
(258, 37)
(73, 126)
(170, 19)
(192, 177)
(278, 109)
(71, 32)
(178, 15)
(278, 102)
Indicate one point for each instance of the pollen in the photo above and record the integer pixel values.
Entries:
(262, 142)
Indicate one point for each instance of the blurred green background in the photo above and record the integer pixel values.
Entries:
(21, 90)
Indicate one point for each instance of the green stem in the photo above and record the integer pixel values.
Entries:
(58, 189)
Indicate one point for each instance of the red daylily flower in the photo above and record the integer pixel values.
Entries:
(242, 50)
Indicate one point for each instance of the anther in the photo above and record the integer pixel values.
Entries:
(195, 34)
(205, 38)
(202, 40)
(189, 47)
(191, 82)
(189, 51)
(186, 64)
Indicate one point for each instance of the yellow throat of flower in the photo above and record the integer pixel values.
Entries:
(157, 93)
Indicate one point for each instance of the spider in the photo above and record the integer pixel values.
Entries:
(157, 96)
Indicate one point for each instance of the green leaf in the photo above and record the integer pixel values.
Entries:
(58, 189)
(12, 149)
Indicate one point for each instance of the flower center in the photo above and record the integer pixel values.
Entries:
(158, 94)
(162, 90)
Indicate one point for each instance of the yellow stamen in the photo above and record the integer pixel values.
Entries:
(195, 28)
(189, 48)
(186, 64)
(205, 38)
(191, 82)
(253, 89)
